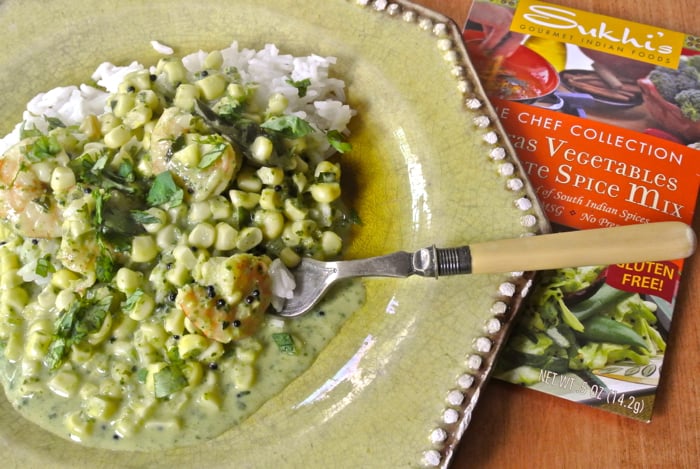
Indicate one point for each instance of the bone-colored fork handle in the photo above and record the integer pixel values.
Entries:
(633, 243)
(636, 243)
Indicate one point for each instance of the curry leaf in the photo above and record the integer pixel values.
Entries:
(55, 123)
(143, 217)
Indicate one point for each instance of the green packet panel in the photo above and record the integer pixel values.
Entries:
(430, 165)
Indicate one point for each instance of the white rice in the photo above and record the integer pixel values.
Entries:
(162, 48)
(283, 284)
(323, 106)
(109, 76)
(70, 104)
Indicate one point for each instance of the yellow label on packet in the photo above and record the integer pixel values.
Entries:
(599, 32)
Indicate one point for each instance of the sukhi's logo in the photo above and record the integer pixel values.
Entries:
(559, 18)
(606, 34)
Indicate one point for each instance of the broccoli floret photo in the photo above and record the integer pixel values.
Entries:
(680, 87)
(669, 82)
(689, 102)
(690, 69)
(692, 61)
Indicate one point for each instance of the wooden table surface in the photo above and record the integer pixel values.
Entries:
(516, 427)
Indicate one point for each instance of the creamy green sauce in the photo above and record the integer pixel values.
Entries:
(274, 371)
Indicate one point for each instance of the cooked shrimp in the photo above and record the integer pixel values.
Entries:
(25, 201)
(201, 178)
(233, 304)
(79, 248)
(80, 256)
(171, 124)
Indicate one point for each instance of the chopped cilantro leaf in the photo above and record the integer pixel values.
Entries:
(230, 112)
(126, 171)
(173, 354)
(44, 266)
(284, 342)
(165, 191)
(57, 352)
(95, 170)
(302, 86)
(132, 299)
(73, 326)
(99, 198)
(289, 126)
(100, 164)
(169, 380)
(24, 132)
(104, 267)
(43, 148)
(104, 264)
(337, 141)
(210, 157)
(141, 375)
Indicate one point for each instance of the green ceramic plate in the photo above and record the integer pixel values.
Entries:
(430, 164)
